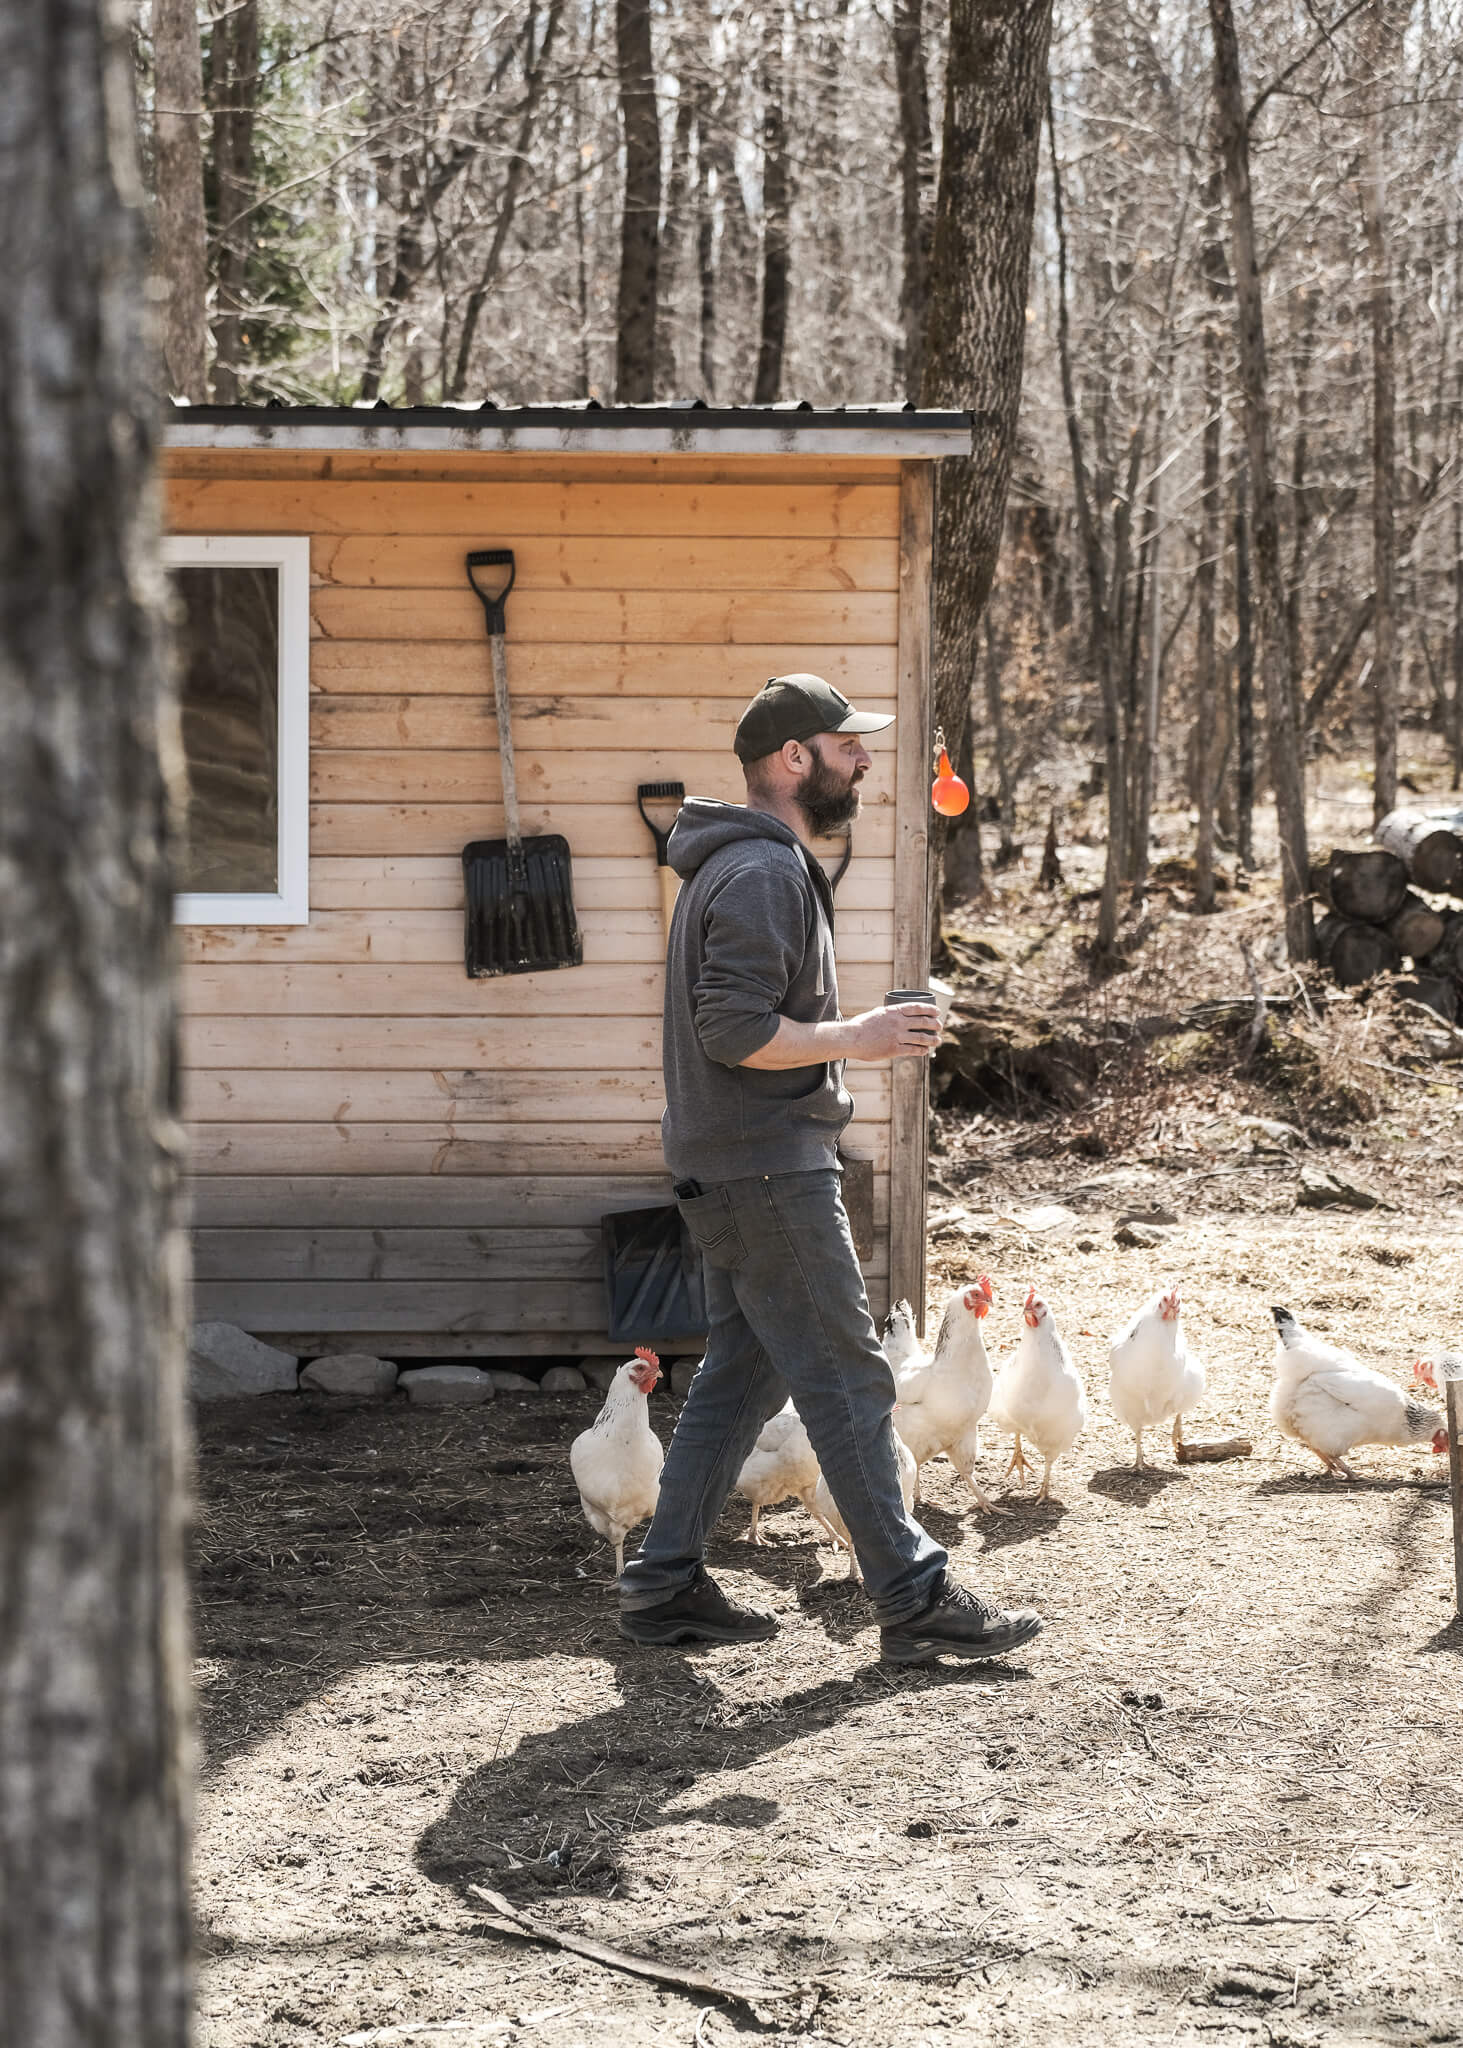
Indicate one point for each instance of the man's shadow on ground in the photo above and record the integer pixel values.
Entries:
(557, 1814)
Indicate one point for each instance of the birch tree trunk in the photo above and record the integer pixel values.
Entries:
(1287, 773)
(995, 94)
(180, 231)
(93, 1641)
(640, 216)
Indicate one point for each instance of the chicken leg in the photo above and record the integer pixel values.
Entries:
(1140, 1463)
(1044, 1492)
(754, 1534)
(619, 1560)
(1334, 1465)
(1178, 1435)
(962, 1457)
(1018, 1462)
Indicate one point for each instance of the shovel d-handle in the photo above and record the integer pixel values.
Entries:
(491, 572)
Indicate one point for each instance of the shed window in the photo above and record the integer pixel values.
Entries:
(243, 625)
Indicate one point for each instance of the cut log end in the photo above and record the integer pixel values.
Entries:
(1430, 847)
(1369, 887)
(1355, 953)
(1214, 1453)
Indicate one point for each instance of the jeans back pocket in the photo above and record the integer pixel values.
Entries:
(712, 1225)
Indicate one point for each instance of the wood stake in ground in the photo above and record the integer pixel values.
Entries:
(1455, 1465)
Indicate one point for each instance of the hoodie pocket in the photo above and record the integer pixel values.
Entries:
(713, 1229)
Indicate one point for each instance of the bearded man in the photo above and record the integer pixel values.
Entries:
(754, 1050)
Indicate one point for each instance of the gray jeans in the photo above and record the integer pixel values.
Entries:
(788, 1315)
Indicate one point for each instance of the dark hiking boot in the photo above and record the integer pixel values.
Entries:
(957, 1623)
(701, 1614)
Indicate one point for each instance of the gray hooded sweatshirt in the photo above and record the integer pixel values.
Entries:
(751, 941)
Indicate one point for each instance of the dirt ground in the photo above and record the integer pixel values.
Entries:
(1216, 1801)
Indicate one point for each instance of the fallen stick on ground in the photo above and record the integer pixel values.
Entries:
(1214, 1453)
(506, 1919)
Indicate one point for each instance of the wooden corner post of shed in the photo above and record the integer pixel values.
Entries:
(910, 1104)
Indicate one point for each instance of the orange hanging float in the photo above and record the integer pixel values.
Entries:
(949, 794)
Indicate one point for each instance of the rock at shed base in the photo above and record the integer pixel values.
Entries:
(1136, 1236)
(506, 1382)
(226, 1364)
(351, 1372)
(563, 1379)
(682, 1373)
(447, 1386)
(598, 1372)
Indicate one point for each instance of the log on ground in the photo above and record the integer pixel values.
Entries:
(1430, 847)
(1416, 928)
(1355, 952)
(1368, 887)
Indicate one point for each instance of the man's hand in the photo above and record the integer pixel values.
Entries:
(896, 1032)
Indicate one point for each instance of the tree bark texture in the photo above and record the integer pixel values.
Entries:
(1287, 774)
(1100, 630)
(640, 214)
(995, 94)
(1244, 686)
(93, 1640)
(180, 230)
(233, 97)
(1206, 576)
(776, 202)
(916, 184)
(1373, 188)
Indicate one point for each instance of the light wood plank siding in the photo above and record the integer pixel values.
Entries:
(383, 1152)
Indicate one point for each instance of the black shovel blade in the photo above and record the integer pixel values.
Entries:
(520, 906)
(653, 1278)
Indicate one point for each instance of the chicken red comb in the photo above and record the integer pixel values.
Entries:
(1030, 1296)
(651, 1358)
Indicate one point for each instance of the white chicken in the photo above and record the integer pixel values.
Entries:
(781, 1462)
(1436, 1370)
(1038, 1393)
(942, 1397)
(900, 1342)
(1329, 1401)
(1152, 1373)
(616, 1461)
(823, 1509)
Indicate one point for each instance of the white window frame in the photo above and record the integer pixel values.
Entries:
(290, 555)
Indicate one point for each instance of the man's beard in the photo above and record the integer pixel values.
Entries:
(827, 801)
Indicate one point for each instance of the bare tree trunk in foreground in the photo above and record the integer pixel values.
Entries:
(93, 1640)
(1287, 772)
(995, 93)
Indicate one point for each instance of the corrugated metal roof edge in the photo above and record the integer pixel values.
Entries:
(679, 414)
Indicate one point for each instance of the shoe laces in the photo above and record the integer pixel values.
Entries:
(965, 1602)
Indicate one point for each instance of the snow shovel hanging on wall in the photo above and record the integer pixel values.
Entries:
(519, 892)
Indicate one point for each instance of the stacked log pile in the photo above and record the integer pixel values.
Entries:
(1376, 920)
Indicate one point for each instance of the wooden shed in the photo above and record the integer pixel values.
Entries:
(386, 1154)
